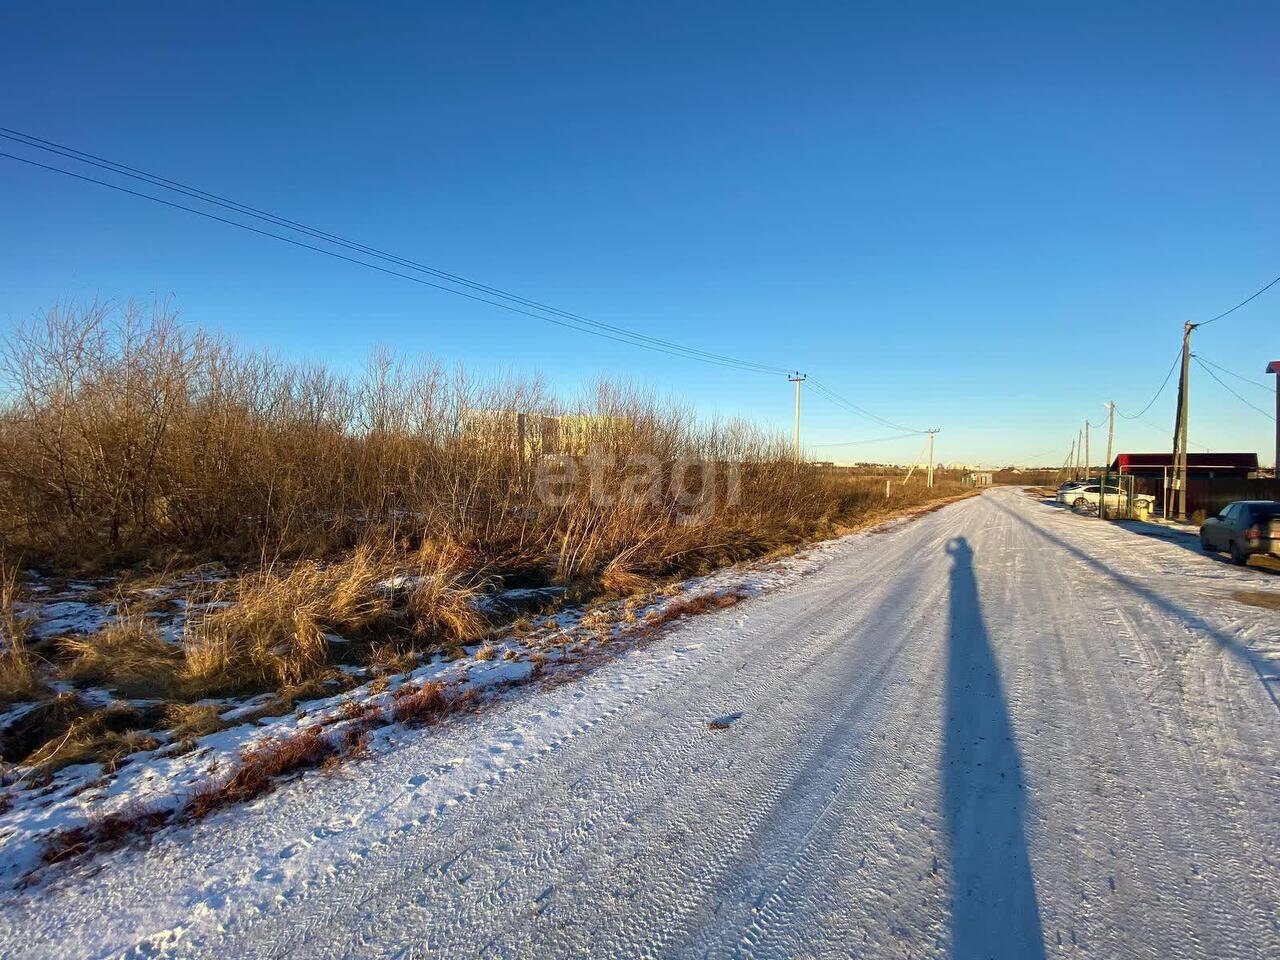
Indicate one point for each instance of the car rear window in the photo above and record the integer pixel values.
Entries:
(1264, 511)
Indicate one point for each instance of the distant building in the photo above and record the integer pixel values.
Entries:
(1200, 466)
(977, 478)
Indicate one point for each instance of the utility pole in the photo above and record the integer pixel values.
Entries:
(797, 378)
(1106, 466)
(1079, 451)
(932, 433)
(1274, 367)
(1087, 460)
(1180, 426)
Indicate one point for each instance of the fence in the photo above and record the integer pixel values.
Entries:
(1211, 494)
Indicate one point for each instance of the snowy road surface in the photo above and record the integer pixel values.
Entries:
(998, 731)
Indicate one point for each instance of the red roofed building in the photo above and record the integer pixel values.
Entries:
(1199, 465)
(1213, 479)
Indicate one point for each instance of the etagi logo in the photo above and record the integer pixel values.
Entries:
(692, 488)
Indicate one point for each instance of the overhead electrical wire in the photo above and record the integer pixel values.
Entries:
(1238, 376)
(852, 443)
(1204, 366)
(480, 292)
(1163, 383)
(1251, 297)
(492, 295)
(1155, 426)
(852, 407)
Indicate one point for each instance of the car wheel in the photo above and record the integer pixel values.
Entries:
(1205, 545)
(1080, 503)
(1238, 556)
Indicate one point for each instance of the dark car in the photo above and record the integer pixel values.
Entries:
(1243, 528)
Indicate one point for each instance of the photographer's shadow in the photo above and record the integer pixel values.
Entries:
(994, 913)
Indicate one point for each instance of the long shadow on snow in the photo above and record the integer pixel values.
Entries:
(994, 913)
(1264, 668)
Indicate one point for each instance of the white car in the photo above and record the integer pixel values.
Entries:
(1070, 485)
(1087, 495)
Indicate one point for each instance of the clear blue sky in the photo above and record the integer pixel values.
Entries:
(987, 218)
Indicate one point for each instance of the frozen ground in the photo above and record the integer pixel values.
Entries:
(999, 731)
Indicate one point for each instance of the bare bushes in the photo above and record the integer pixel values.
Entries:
(127, 436)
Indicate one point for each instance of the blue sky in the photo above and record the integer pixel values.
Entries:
(985, 218)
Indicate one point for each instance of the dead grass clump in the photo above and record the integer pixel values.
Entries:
(105, 736)
(429, 704)
(273, 633)
(486, 651)
(19, 679)
(192, 720)
(104, 832)
(442, 604)
(621, 577)
(689, 606)
(258, 767)
(41, 724)
(392, 657)
(129, 655)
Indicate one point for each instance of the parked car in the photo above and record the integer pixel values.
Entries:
(1079, 498)
(1070, 485)
(1243, 528)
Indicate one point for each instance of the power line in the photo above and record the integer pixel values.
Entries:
(860, 411)
(569, 320)
(852, 443)
(1163, 383)
(481, 293)
(1252, 296)
(1238, 376)
(1224, 386)
(1160, 429)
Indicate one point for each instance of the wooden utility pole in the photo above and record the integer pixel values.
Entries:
(1180, 426)
(929, 483)
(1274, 367)
(1087, 460)
(797, 378)
(1079, 451)
(1106, 465)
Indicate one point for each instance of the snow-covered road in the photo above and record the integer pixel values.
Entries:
(998, 731)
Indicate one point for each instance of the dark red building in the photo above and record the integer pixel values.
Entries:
(1200, 466)
(1213, 479)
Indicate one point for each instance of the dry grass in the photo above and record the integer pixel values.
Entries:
(391, 657)
(429, 704)
(130, 655)
(441, 606)
(258, 767)
(189, 720)
(19, 678)
(104, 736)
(1256, 598)
(689, 606)
(103, 833)
(274, 631)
